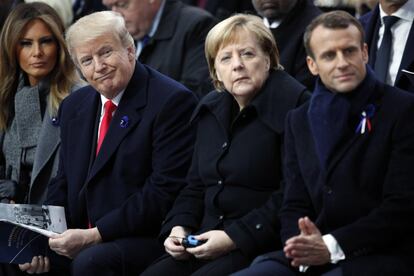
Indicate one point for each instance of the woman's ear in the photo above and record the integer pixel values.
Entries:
(218, 76)
(267, 63)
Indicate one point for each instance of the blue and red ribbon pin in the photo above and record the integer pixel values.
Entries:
(366, 116)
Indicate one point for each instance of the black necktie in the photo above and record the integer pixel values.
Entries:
(383, 54)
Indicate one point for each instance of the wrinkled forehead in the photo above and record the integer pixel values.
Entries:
(94, 44)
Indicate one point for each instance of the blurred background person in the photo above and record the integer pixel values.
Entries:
(389, 33)
(85, 7)
(62, 7)
(5, 7)
(222, 9)
(331, 5)
(36, 74)
(170, 38)
(364, 6)
(233, 190)
(287, 20)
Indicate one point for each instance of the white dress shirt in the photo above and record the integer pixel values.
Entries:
(400, 31)
(116, 100)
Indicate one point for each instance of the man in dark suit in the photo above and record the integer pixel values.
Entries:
(170, 38)
(349, 194)
(287, 19)
(117, 176)
(401, 57)
(223, 9)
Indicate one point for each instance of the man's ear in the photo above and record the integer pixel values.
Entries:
(365, 55)
(131, 53)
(313, 67)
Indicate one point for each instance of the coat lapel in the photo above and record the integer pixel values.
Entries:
(81, 132)
(49, 140)
(340, 151)
(129, 112)
(351, 139)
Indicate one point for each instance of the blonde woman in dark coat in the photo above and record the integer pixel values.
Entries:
(233, 192)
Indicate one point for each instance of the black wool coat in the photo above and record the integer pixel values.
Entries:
(365, 197)
(235, 178)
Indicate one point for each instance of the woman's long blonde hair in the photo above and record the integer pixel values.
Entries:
(62, 77)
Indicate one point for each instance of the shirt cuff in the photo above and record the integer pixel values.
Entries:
(334, 249)
(303, 268)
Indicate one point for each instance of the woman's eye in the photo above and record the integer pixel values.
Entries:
(47, 40)
(248, 54)
(224, 58)
(25, 43)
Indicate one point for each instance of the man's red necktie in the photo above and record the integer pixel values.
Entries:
(109, 108)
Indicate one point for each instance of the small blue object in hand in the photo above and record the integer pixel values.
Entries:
(190, 241)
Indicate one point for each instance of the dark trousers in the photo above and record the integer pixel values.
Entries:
(128, 256)
(223, 265)
(275, 263)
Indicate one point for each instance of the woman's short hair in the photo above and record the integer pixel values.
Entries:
(62, 77)
(95, 25)
(227, 31)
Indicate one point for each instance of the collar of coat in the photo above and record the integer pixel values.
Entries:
(279, 94)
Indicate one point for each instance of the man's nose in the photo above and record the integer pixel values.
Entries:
(99, 64)
(342, 60)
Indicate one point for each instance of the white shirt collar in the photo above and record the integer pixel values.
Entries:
(157, 20)
(406, 12)
(116, 100)
(272, 25)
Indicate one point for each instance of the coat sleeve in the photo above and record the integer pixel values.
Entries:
(258, 231)
(57, 192)
(188, 208)
(296, 199)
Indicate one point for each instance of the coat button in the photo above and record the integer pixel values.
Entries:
(221, 217)
(328, 190)
(220, 182)
(259, 226)
(224, 145)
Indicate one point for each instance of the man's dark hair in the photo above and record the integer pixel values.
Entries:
(331, 20)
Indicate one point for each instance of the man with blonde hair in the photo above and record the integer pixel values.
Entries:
(126, 147)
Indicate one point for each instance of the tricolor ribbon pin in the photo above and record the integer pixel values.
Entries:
(365, 123)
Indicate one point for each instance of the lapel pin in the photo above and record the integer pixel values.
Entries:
(124, 122)
(365, 123)
(54, 121)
